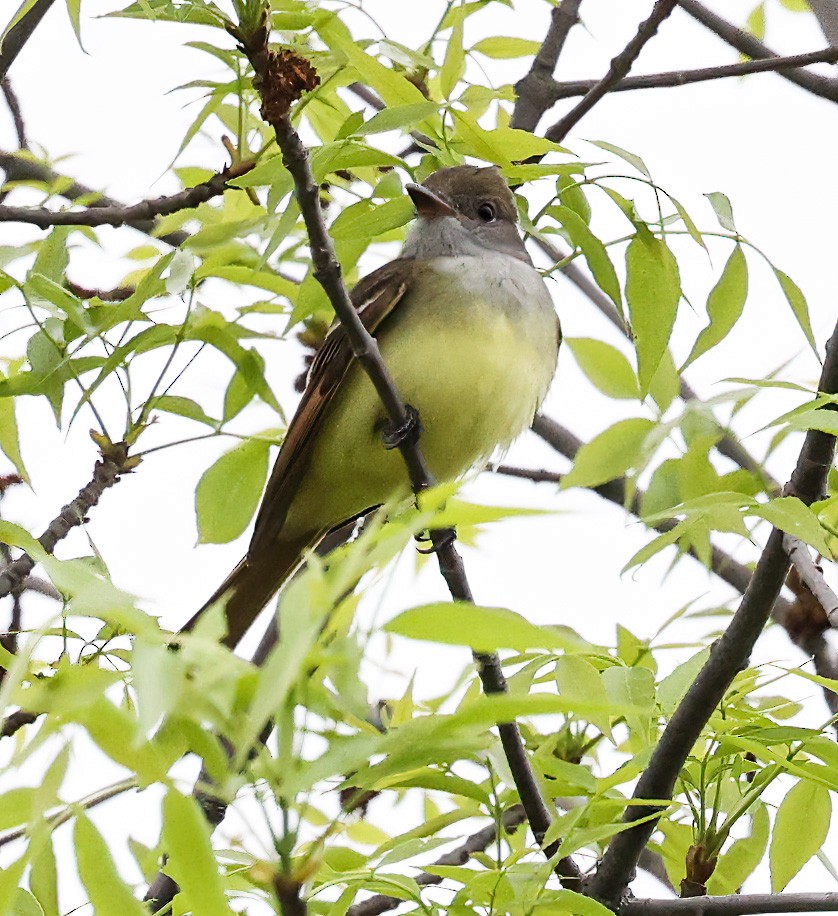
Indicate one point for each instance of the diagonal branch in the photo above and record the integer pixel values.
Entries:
(555, 91)
(746, 44)
(21, 32)
(280, 78)
(620, 66)
(533, 90)
(811, 576)
(143, 212)
(105, 474)
(730, 654)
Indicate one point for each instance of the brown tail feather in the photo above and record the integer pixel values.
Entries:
(249, 587)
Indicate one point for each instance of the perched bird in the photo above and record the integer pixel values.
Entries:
(467, 328)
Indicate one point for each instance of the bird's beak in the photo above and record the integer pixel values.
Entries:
(429, 204)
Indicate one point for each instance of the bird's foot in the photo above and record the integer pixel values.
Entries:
(440, 540)
(409, 431)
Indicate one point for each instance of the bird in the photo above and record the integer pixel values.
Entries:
(467, 329)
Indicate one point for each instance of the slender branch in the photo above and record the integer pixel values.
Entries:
(555, 91)
(14, 110)
(533, 91)
(120, 216)
(746, 44)
(25, 168)
(620, 66)
(811, 576)
(730, 654)
(67, 813)
(105, 474)
(280, 78)
(15, 721)
(21, 32)
(117, 294)
(289, 898)
(734, 905)
(826, 12)
(477, 842)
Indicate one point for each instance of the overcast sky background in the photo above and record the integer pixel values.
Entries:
(767, 144)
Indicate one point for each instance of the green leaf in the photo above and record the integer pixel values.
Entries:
(724, 305)
(625, 155)
(610, 454)
(191, 859)
(9, 440)
(454, 63)
(633, 688)
(43, 879)
(800, 829)
(228, 492)
(366, 220)
(797, 301)
(399, 117)
(595, 253)
(506, 47)
(109, 894)
(484, 629)
(738, 863)
(577, 679)
(577, 904)
(824, 419)
(653, 290)
(502, 146)
(605, 367)
(74, 11)
(789, 514)
(184, 407)
(723, 210)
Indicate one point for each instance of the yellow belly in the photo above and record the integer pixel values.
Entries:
(476, 373)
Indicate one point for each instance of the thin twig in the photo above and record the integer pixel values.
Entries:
(734, 905)
(555, 91)
(15, 721)
(120, 216)
(57, 818)
(620, 66)
(477, 842)
(21, 32)
(14, 110)
(812, 577)
(746, 44)
(730, 654)
(533, 90)
(105, 474)
(24, 168)
(274, 71)
(117, 294)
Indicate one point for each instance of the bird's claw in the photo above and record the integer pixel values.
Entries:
(395, 436)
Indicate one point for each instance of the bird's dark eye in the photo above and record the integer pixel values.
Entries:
(486, 212)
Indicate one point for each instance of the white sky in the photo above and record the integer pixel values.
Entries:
(767, 144)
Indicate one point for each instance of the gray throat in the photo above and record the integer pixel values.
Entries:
(442, 236)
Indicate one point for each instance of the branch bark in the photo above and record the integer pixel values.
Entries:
(555, 91)
(811, 576)
(143, 212)
(620, 66)
(21, 32)
(273, 81)
(818, 85)
(105, 474)
(532, 91)
(730, 654)
(734, 905)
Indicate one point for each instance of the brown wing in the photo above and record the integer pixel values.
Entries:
(374, 298)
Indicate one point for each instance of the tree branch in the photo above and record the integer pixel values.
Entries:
(734, 905)
(746, 44)
(138, 213)
(555, 91)
(25, 168)
(730, 654)
(811, 576)
(280, 78)
(106, 473)
(14, 110)
(15, 721)
(20, 33)
(532, 91)
(620, 66)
